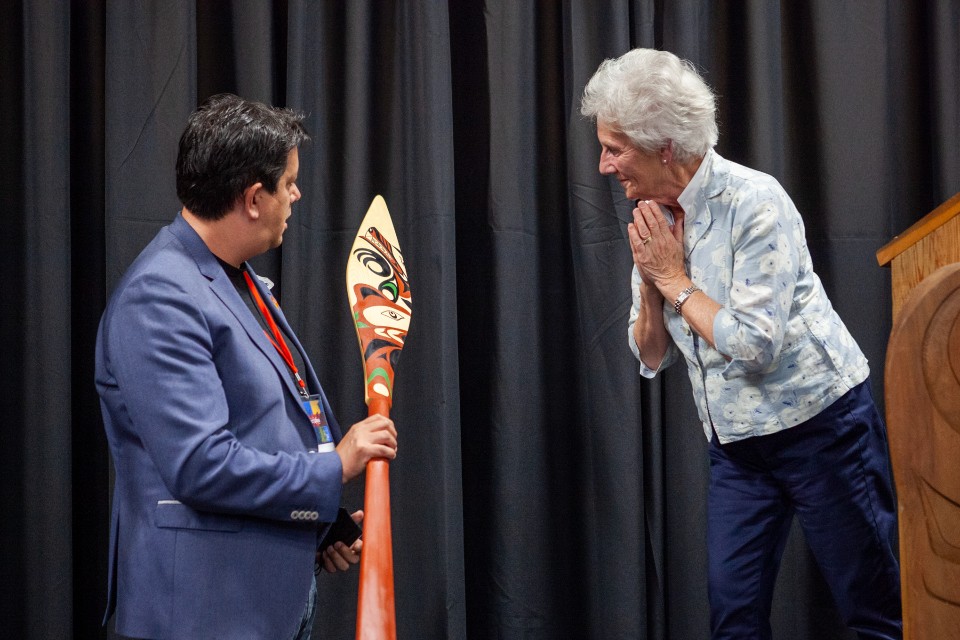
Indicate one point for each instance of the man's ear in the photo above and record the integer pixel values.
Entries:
(250, 206)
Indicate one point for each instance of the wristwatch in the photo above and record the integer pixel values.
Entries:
(686, 293)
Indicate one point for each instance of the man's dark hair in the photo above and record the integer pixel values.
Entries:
(230, 144)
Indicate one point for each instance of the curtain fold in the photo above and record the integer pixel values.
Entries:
(90, 462)
(543, 489)
(46, 336)
(13, 547)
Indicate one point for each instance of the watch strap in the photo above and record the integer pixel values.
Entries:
(686, 293)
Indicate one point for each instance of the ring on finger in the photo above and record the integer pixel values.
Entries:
(644, 239)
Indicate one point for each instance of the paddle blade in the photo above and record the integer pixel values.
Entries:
(379, 295)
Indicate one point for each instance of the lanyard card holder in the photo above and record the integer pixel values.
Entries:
(314, 409)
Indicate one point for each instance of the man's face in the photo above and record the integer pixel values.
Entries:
(640, 173)
(275, 208)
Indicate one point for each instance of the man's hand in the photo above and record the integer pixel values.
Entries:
(372, 437)
(338, 556)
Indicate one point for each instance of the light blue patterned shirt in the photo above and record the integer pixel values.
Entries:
(790, 354)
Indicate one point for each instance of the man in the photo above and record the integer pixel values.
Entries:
(223, 480)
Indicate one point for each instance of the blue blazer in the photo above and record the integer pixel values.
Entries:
(218, 496)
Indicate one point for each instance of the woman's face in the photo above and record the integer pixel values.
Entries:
(642, 175)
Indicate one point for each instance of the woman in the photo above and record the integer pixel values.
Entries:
(723, 277)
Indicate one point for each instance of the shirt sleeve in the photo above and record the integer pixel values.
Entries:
(766, 254)
(671, 354)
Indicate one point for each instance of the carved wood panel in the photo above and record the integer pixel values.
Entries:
(923, 415)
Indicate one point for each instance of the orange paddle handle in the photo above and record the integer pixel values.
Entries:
(376, 617)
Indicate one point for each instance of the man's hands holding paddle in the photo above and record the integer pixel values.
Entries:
(373, 437)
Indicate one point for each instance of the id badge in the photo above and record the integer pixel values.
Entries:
(314, 410)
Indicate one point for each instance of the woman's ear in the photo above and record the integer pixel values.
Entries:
(666, 152)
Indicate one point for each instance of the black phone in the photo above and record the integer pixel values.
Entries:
(343, 529)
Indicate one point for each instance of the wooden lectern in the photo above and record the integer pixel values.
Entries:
(923, 418)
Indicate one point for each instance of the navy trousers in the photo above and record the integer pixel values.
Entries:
(832, 472)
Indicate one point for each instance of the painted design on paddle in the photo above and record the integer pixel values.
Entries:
(382, 309)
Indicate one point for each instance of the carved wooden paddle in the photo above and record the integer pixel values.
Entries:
(379, 296)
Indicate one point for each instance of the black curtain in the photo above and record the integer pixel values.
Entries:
(543, 490)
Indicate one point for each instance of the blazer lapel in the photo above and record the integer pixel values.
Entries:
(224, 290)
(310, 376)
(291, 339)
(293, 342)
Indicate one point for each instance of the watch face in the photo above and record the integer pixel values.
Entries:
(686, 293)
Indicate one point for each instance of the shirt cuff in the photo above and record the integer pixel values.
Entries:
(646, 371)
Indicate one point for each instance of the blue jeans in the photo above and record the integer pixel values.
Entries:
(832, 471)
(309, 613)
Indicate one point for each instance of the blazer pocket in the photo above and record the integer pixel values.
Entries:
(175, 515)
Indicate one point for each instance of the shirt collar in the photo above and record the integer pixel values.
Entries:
(688, 197)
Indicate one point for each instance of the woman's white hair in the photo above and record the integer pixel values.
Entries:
(654, 97)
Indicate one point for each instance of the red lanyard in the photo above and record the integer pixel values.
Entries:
(277, 338)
